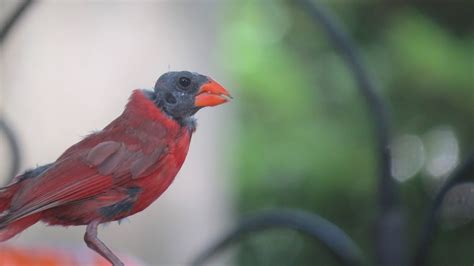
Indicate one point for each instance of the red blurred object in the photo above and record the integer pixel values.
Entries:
(41, 256)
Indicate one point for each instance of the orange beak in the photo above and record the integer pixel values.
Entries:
(211, 94)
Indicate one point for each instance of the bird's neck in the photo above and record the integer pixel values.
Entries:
(150, 97)
(141, 107)
(189, 122)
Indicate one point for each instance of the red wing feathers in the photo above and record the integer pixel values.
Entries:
(144, 165)
(102, 152)
(83, 174)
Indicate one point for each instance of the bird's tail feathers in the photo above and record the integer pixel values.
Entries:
(11, 229)
(6, 195)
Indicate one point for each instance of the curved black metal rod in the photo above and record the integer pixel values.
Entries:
(332, 237)
(389, 241)
(463, 174)
(14, 149)
(11, 21)
(10, 136)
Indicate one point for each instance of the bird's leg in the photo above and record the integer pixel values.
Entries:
(98, 246)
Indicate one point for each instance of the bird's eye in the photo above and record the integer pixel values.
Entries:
(169, 98)
(184, 82)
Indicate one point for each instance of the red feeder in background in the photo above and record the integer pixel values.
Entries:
(51, 256)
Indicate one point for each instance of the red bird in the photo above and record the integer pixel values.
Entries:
(118, 171)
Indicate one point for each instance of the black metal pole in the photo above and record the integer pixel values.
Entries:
(389, 233)
(464, 173)
(13, 147)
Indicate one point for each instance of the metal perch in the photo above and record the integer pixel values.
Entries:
(332, 237)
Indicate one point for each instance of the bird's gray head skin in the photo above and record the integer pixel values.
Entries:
(175, 93)
(181, 94)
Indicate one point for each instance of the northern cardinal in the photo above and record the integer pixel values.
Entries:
(115, 172)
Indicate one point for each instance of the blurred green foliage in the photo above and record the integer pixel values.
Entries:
(304, 138)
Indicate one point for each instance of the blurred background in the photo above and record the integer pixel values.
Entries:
(296, 135)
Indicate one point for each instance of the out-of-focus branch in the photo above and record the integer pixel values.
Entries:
(389, 238)
(332, 237)
(9, 135)
(463, 174)
(13, 18)
(14, 149)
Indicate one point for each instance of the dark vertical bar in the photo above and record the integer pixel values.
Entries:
(464, 173)
(389, 223)
(14, 149)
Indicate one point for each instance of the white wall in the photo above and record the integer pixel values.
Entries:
(69, 67)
